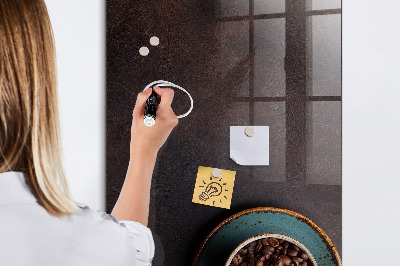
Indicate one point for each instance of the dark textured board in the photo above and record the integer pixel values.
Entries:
(190, 55)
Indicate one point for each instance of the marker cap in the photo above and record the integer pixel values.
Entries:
(149, 121)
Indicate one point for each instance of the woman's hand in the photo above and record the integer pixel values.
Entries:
(133, 201)
(150, 139)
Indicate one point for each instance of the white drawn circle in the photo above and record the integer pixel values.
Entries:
(163, 83)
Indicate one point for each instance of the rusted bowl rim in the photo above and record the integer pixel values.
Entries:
(270, 209)
(278, 236)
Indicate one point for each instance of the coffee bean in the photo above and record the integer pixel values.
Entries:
(286, 260)
(250, 255)
(297, 259)
(237, 259)
(303, 255)
(258, 248)
(272, 249)
(243, 251)
(272, 252)
(261, 261)
(273, 242)
(278, 262)
(267, 252)
(296, 247)
(292, 252)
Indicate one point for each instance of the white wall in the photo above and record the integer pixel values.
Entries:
(79, 34)
(371, 132)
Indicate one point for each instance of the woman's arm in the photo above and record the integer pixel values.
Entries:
(133, 201)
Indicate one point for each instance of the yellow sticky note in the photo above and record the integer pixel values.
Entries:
(214, 191)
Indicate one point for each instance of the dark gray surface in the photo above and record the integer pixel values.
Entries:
(240, 70)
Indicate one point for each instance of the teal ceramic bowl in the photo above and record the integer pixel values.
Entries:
(228, 235)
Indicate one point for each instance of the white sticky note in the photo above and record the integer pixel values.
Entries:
(245, 150)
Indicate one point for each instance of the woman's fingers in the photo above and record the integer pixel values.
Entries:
(141, 102)
(167, 95)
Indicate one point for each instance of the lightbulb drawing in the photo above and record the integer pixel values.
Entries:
(213, 189)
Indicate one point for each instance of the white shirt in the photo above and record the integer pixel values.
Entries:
(31, 236)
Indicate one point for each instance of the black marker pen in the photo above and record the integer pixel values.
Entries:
(151, 102)
(150, 109)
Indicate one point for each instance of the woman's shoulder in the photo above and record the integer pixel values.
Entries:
(95, 221)
(138, 236)
(84, 211)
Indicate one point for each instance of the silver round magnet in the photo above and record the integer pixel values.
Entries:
(216, 173)
(249, 131)
(144, 51)
(154, 41)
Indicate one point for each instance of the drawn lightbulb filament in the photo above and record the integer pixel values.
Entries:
(213, 189)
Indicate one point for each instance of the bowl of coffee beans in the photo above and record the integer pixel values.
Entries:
(271, 250)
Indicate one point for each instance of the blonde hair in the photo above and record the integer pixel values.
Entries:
(29, 118)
